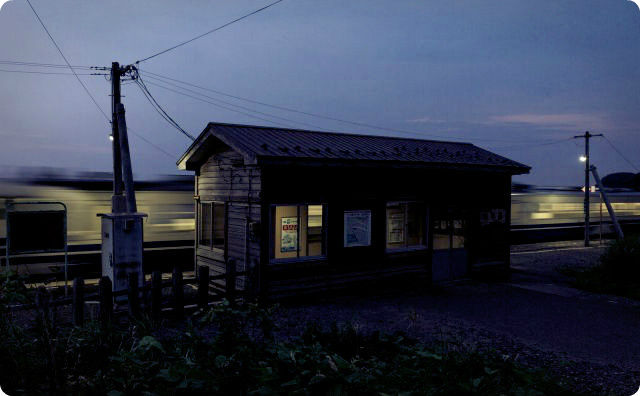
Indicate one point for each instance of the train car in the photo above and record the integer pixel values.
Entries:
(168, 229)
(539, 215)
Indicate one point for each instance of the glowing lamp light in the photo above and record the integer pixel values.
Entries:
(111, 137)
(583, 158)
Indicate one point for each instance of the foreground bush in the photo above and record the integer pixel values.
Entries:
(233, 351)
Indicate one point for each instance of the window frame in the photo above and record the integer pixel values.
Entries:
(211, 246)
(298, 258)
(424, 245)
(451, 217)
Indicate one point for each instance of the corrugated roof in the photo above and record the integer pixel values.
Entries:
(257, 142)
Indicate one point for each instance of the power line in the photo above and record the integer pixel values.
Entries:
(620, 153)
(150, 143)
(209, 32)
(66, 61)
(355, 123)
(49, 65)
(529, 145)
(54, 73)
(160, 110)
(233, 105)
(225, 107)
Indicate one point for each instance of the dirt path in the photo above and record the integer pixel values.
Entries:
(536, 316)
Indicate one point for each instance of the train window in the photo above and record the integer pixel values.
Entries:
(405, 225)
(212, 225)
(299, 231)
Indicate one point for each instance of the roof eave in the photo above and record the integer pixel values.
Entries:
(518, 169)
(184, 162)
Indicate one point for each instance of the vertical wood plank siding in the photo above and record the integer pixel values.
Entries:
(225, 178)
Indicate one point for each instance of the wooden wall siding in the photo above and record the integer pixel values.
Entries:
(225, 178)
(356, 188)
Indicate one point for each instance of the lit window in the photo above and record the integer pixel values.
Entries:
(405, 225)
(212, 225)
(299, 231)
(441, 234)
(449, 233)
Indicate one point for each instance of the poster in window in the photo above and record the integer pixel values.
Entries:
(289, 237)
(395, 227)
(357, 228)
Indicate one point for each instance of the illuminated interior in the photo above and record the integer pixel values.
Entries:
(298, 231)
(405, 225)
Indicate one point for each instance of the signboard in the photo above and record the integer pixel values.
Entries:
(357, 228)
(395, 228)
(36, 231)
(289, 237)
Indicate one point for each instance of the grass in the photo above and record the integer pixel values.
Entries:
(617, 273)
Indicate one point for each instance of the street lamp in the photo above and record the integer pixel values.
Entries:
(583, 158)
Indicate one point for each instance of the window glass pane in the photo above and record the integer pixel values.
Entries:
(314, 237)
(441, 234)
(299, 231)
(218, 225)
(205, 224)
(286, 231)
(458, 234)
(396, 226)
(415, 224)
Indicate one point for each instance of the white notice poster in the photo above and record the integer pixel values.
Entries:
(357, 228)
(395, 228)
(289, 238)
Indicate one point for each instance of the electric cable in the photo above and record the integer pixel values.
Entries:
(160, 110)
(66, 61)
(345, 121)
(620, 153)
(209, 32)
(287, 120)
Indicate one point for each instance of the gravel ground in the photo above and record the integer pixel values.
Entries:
(588, 340)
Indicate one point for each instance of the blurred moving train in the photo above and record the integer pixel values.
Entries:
(538, 214)
(168, 230)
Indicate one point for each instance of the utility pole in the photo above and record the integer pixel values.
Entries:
(117, 200)
(122, 241)
(587, 187)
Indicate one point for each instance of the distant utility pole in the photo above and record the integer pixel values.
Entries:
(587, 188)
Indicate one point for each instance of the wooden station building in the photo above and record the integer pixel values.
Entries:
(303, 211)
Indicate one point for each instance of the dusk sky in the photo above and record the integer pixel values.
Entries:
(516, 77)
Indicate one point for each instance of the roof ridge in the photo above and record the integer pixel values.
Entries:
(335, 133)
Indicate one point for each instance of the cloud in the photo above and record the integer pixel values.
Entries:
(568, 121)
(425, 120)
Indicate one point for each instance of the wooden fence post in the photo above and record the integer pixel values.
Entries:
(43, 298)
(230, 281)
(78, 301)
(203, 286)
(178, 293)
(133, 296)
(105, 295)
(156, 294)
